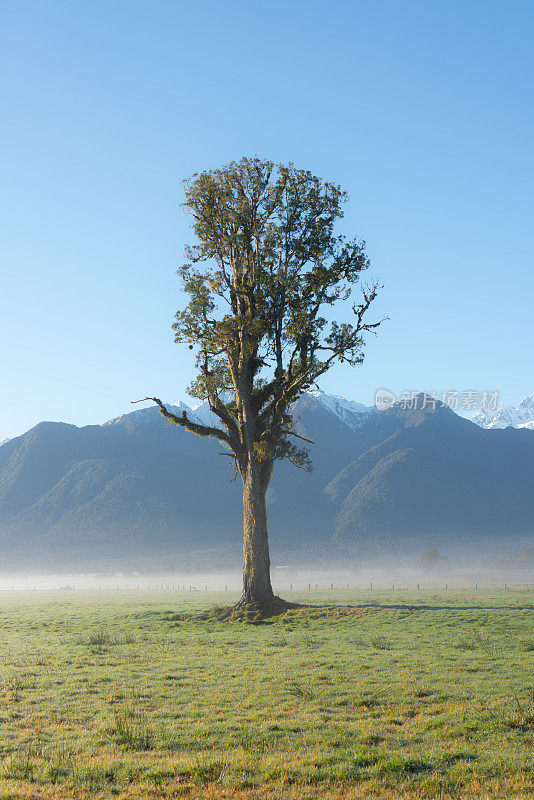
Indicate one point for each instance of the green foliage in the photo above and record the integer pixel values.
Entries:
(265, 268)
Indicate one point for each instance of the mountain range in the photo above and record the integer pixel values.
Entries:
(137, 486)
(521, 416)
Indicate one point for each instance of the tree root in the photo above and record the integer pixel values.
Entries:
(252, 612)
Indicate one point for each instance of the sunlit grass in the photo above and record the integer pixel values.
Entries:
(429, 695)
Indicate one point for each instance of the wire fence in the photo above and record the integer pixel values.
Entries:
(299, 588)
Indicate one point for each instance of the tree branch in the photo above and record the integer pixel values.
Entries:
(184, 422)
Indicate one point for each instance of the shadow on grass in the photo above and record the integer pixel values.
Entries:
(280, 608)
(413, 607)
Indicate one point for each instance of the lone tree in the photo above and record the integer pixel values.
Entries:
(265, 267)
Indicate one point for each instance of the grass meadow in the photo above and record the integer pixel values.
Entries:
(384, 695)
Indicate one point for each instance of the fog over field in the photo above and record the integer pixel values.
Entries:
(285, 579)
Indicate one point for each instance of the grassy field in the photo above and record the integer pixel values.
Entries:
(404, 695)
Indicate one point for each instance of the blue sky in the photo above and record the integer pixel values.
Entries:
(423, 111)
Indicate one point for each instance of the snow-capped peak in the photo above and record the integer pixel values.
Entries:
(205, 416)
(521, 416)
(527, 404)
(4, 440)
(350, 412)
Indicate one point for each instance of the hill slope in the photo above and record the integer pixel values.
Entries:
(138, 486)
(433, 473)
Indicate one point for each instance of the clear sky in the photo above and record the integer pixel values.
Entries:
(424, 111)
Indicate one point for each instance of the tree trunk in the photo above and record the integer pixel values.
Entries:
(257, 588)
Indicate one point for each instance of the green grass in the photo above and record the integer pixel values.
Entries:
(411, 695)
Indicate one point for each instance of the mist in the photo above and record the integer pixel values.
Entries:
(285, 578)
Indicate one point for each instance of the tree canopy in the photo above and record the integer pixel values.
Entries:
(266, 266)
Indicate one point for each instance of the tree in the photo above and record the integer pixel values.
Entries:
(264, 270)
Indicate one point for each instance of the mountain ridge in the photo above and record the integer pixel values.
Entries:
(350, 412)
(138, 485)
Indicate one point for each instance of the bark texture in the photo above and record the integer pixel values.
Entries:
(257, 589)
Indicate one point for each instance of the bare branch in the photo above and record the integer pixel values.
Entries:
(302, 438)
(184, 422)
